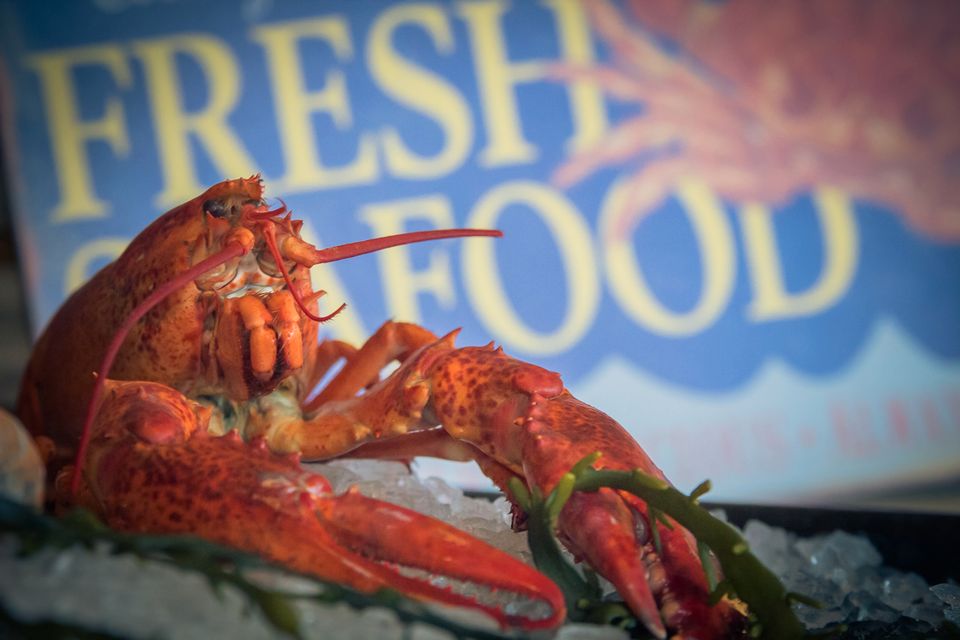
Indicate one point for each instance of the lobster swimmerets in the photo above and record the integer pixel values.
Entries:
(220, 324)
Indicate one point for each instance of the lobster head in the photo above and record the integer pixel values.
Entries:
(251, 269)
(253, 258)
(272, 255)
(213, 299)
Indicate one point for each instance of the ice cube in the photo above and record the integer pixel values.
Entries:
(839, 550)
(772, 545)
(870, 607)
(900, 590)
(590, 632)
(815, 618)
(926, 611)
(949, 594)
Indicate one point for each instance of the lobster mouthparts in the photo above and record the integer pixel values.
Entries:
(236, 214)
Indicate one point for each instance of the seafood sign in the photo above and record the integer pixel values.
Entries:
(739, 236)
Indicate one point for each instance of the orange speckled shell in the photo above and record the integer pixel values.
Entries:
(165, 346)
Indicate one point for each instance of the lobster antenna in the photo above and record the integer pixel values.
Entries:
(351, 249)
(232, 250)
(309, 256)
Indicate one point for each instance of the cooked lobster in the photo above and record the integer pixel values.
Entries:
(207, 326)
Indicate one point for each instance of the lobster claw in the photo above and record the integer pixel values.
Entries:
(664, 583)
(154, 467)
(659, 575)
(524, 424)
(380, 536)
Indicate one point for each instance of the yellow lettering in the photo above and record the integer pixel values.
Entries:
(840, 247)
(716, 246)
(69, 134)
(425, 92)
(497, 77)
(295, 105)
(586, 100)
(100, 251)
(484, 286)
(401, 283)
(209, 126)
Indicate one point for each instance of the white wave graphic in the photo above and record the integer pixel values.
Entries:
(891, 417)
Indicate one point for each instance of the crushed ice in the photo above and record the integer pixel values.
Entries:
(138, 599)
(845, 573)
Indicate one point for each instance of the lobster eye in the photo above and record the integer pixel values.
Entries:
(216, 208)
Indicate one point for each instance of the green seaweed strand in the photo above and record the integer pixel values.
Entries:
(220, 566)
(744, 576)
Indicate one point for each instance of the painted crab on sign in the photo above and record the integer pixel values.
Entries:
(760, 101)
(207, 327)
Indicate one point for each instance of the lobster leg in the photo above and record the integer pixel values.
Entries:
(337, 421)
(392, 341)
(154, 467)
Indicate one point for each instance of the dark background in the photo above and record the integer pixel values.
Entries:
(14, 336)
